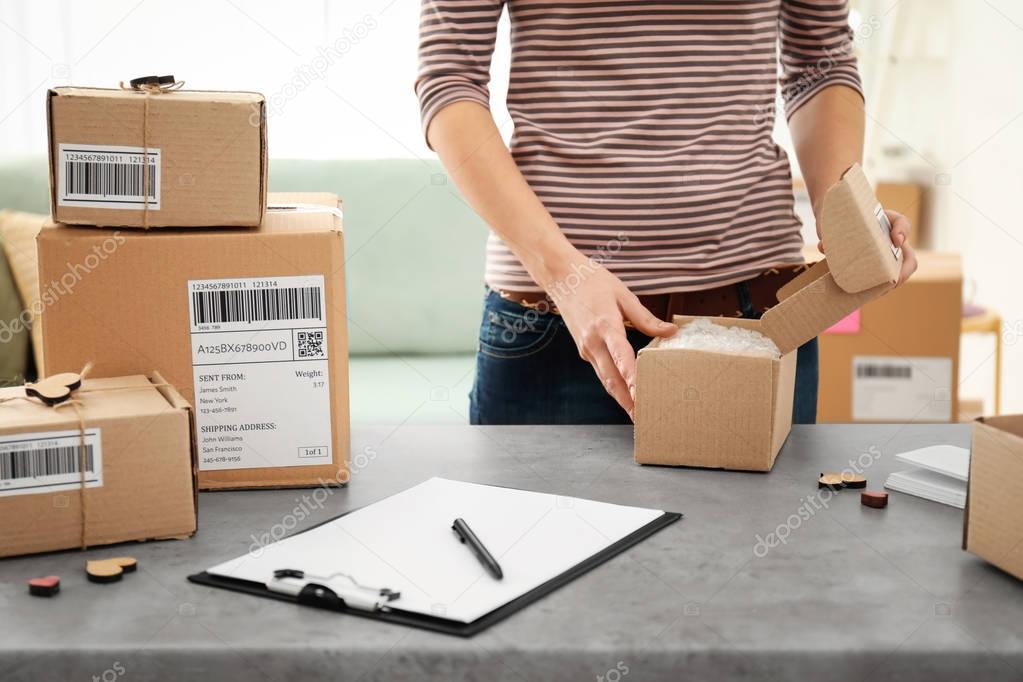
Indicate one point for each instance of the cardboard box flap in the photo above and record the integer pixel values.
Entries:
(861, 265)
(812, 302)
(856, 235)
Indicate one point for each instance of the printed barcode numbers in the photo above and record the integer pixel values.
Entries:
(108, 176)
(108, 180)
(39, 462)
(885, 371)
(257, 305)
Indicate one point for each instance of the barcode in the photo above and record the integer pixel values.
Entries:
(256, 305)
(102, 179)
(885, 371)
(19, 464)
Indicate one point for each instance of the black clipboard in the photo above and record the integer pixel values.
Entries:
(439, 623)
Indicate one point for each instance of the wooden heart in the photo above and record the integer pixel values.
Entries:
(44, 587)
(109, 570)
(55, 389)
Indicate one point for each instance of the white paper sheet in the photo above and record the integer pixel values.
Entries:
(948, 460)
(405, 543)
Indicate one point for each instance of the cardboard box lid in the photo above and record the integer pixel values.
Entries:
(305, 212)
(175, 95)
(861, 264)
(131, 396)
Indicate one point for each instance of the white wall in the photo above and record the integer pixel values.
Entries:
(953, 120)
(339, 75)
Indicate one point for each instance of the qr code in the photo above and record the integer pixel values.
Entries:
(310, 344)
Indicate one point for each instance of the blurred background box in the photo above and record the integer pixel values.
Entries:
(897, 358)
(907, 198)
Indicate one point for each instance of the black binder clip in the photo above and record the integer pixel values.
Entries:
(137, 83)
(338, 590)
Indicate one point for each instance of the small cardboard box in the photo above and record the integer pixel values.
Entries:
(705, 409)
(993, 519)
(897, 359)
(205, 151)
(250, 326)
(140, 478)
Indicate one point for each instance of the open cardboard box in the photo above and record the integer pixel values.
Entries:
(993, 519)
(706, 409)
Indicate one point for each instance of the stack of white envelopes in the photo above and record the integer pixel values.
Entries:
(938, 473)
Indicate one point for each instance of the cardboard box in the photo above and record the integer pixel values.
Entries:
(141, 483)
(705, 409)
(206, 154)
(897, 358)
(250, 325)
(993, 519)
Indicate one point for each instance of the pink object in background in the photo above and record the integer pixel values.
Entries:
(850, 324)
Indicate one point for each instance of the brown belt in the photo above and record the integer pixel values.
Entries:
(756, 294)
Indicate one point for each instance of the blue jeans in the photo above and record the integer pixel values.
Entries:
(528, 371)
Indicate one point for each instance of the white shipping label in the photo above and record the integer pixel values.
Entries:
(107, 176)
(895, 388)
(49, 461)
(259, 362)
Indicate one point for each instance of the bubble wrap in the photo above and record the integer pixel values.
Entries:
(702, 334)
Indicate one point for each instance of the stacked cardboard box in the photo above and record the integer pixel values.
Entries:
(249, 324)
(201, 155)
(241, 308)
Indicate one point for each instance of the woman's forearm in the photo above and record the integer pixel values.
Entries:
(469, 144)
(827, 133)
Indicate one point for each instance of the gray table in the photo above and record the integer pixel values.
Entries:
(852, 593)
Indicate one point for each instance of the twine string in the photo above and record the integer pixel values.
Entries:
(148, 89)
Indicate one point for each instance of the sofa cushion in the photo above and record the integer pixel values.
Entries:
(18, 232)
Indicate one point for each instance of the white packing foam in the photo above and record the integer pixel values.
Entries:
(702, 334)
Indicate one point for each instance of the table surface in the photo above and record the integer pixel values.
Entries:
(845, 592)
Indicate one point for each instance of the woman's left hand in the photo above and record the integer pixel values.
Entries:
(900, 238)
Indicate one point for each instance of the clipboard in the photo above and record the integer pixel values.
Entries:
(317, 596)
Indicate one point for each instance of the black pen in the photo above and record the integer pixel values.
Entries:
(467, 537)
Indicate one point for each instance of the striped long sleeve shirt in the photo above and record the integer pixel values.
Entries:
(645, 127)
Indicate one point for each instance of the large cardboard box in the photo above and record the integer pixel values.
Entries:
(897, 358)
(993, 520)
(205, 151)
(139, 482)
(250, 325)
(706, 409)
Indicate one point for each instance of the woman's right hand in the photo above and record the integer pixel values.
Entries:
(595, 305)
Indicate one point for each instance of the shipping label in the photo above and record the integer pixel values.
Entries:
(259, 362)
(108, 176)
(897, 388)
(49, 461)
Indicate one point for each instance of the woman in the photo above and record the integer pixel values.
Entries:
(642, 179)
